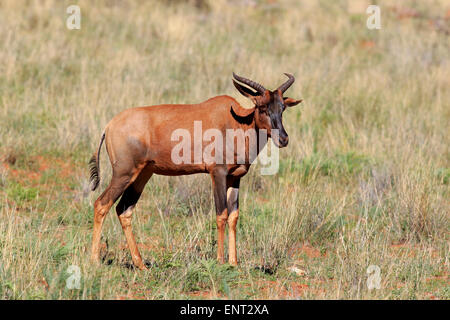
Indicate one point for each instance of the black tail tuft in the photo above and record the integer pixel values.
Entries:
(94, 167)
(94, 172)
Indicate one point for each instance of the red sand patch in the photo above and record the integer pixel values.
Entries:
(405, 13)
(205, 294)
(306, 249)
(40, 164)
(134, 293)
(411, 250)
(444, 277)
(430, 296)
(131, 296)
(367, 44)
(276, 289)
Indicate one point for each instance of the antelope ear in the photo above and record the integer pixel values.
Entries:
(241, 112)
(246, 92)
(289, 102)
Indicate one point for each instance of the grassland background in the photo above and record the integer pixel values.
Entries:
(364, 180)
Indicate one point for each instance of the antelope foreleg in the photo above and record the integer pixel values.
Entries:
(220, 199)
(233, 209)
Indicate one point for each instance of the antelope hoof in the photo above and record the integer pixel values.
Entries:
(142, 267)
(233, 263)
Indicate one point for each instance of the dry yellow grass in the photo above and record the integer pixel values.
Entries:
(364, 180)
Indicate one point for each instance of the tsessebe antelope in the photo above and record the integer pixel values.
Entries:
(139, 144)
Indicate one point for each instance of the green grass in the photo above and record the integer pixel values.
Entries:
(19, 193)
(364, 180)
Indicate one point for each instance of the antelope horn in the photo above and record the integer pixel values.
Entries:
(250, 83)
(288, 83)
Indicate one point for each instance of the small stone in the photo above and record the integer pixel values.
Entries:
(297, 271)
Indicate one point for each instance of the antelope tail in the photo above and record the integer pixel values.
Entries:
(94, 166)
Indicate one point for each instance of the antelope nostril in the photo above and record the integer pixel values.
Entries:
(284, 140)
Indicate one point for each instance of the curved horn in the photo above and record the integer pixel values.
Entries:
(288, 83)
(250, 83)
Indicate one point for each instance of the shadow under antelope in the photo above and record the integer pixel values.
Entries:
(139, 144)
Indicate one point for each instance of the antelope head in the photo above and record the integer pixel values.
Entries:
(269, 105)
